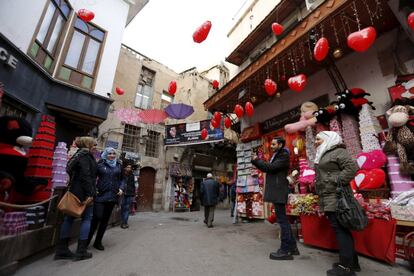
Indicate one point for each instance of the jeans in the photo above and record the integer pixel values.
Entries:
(233, 205)
(347, 254)
(288, 242)
(125, 207)
(101, 214)
(66, 227)
(209, 214)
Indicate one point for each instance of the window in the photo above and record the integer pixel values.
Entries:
(166, 99)
(44, 46)
(80, 63)
(152, 145)
(143, 98)
(131, 138)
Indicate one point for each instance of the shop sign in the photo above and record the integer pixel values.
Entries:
(7, 58)
(184, 134)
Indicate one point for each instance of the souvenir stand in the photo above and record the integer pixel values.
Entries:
(181, 186)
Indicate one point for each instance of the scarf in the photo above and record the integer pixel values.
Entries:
(330, 140)
(104, 156)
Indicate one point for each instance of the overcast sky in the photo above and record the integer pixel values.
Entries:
(163, 31)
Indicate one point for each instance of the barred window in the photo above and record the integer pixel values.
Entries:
(130, 141)
(143, 98)
(152, 146)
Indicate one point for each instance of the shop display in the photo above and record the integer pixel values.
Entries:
(182, 186)
(351, 138)
(398, 182)
(402, 206)
(35, 217)
(335, 125)
(60, 160)
(14, 223)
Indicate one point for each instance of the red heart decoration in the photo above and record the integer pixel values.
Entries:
(249, 109)
(297, 83)
(215, 84)
(277, 28)
(217, 116)
(119, 91)
(270, 87)
(371, 160)
(371, 179)
(410, 20)
(353, 185)
(321, 49)
(238, 109)
(86, 15)
(202, 32)
(172, 87)
(204, 134)
(361, 41)
(215, 123)
(227, 122)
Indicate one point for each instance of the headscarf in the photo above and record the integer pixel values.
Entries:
(330, 140)
(104, 156)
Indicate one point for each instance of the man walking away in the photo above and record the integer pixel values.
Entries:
(209, 194)
(276, 192)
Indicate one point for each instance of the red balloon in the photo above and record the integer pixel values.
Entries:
(370, 179)
(361, 41)
(270, 87)
(202, 32)
(277, 28)
(215, 123)
(227, 122)
(249, 109)
(217, 116)
(297, 83)
(238, 109)
(86, 15)
(119, 91)
(204, 134)
(321, 49)
(215, 84)
(411, 20)
(172, 88)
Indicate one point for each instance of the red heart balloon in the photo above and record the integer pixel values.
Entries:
(215, 84)
(227, 122)
(215, 123)
(172, 87)
(411, 20)
(353, 185)
(370, 179)
(361, 41)
(249, 109)
(238, 109)
(270, 87)
(202, 32)
(217, 116)
(119, 91)
(297, 83)
(277, 28)
(86, 15)
(371, 160)
(204, 134)
(321, 49)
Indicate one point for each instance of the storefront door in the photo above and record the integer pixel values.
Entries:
(146, 189)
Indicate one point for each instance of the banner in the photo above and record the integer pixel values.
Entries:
(190, 133)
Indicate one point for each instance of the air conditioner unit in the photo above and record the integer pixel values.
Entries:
(313, 4)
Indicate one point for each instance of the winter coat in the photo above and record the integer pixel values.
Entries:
(209, 192)
(110, 180)
(82, 171)
(129, 180)
(233, 192)
(336, 164)
(277, 186)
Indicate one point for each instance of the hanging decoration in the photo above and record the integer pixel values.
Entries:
(202, 32)
(215, 84)
(411, 20)
(119, 91)
(204, 134)
(270, 87)
(321, 49)
(215, 123)
(238, 109)
(337, 53)
(297, 83)
(172, 87)
(217, 116)
(249, 109)
(179, 111)
(86, 15)
(362, 40)
(227, 122)
(277, 28)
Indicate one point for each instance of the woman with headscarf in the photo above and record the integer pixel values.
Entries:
(82, 173)
(108, 189)
(334, 166)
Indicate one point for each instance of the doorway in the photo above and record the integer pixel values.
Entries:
(146, 189)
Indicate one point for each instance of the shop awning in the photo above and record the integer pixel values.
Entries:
(334, 19)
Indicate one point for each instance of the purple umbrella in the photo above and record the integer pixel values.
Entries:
(179, 111)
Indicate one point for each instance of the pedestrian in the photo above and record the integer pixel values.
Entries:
(129, 180)
(81, 169)
(109, 188)
(233, 198)
(276, 192)
(209, 194)
(333, 166)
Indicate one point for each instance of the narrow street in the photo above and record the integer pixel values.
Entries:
(180, 244)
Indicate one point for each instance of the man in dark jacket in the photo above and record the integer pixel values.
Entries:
(276, 192)
(209, 194)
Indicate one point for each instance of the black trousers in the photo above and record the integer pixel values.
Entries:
(347, 254)
(287, 240)
(101, 214)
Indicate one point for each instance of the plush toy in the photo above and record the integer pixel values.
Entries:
(324, 115)
(307, 118)
(351, 101)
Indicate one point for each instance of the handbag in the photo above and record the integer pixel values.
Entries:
(71, 205)
(349, 212)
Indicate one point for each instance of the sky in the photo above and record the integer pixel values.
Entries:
(163, 31)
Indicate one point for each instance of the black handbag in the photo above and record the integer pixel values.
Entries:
(349, 212)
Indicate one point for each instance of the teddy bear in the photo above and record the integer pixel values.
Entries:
(307, 118)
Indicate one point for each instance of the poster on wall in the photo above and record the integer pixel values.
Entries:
(190, 133)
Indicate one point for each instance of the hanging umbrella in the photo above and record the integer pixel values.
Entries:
(127, 115)
(179, 111)
(152, 116)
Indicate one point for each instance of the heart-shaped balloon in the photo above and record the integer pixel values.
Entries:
(238, 109)
(217, 116)
(202, 32)
(370, 179)
(277, 28)
(249, 109)
(227, 122)
(204, 134)
(321, 49)
(361, 41)
(215, 123)
(410, 20)
(353, 185)
(371, 160)
(297, 83)
(119, 91)
(86, 15)
(172, 87)
(215, 84)
(270, 87)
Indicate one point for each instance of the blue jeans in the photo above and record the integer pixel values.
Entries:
(288, 242)
(66, 228)
(125, 207)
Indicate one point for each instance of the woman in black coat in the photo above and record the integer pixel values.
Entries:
(82, 172)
